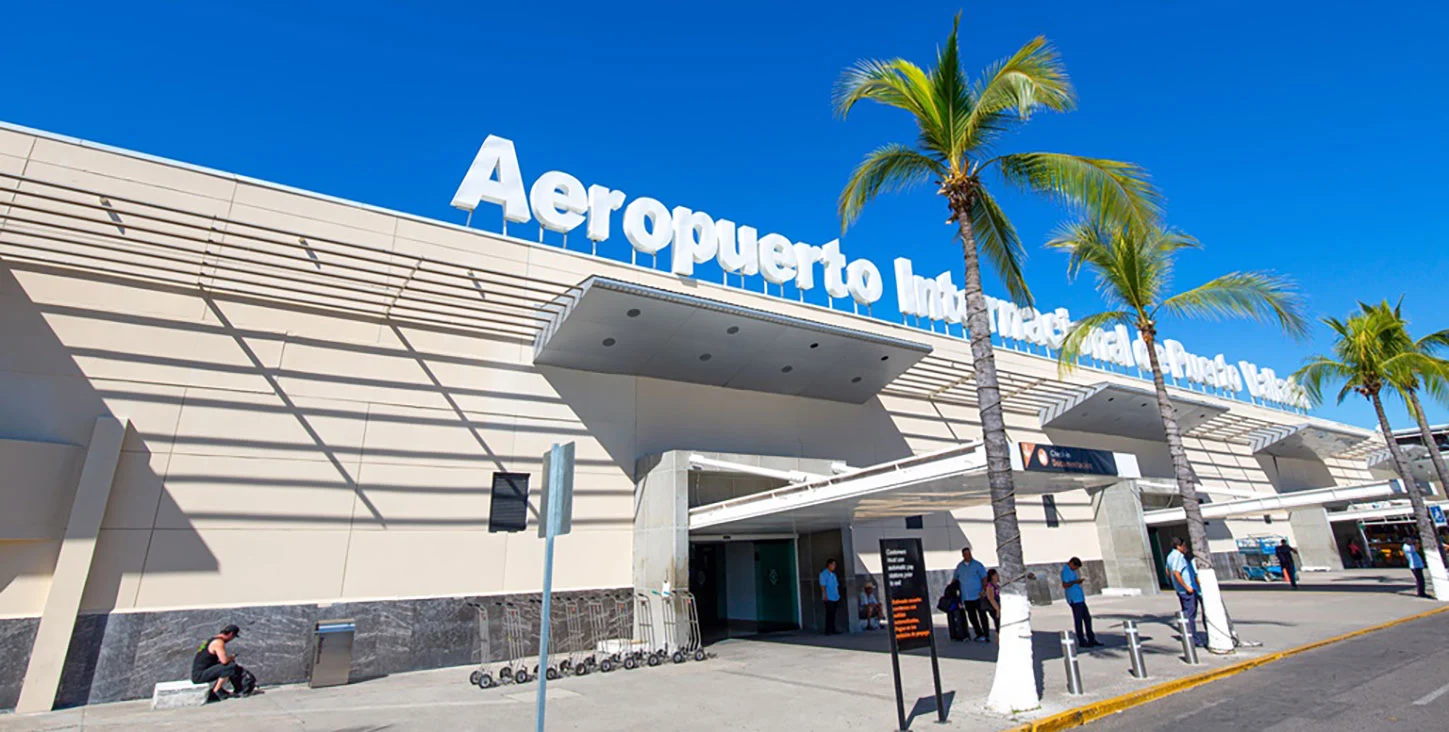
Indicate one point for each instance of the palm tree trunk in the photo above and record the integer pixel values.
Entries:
(1014, 687)
(1220, 640)
(1427, 435)
(1430, 549)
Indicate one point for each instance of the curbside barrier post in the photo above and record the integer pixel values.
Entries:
(1134, 649)
(1069, 658)
(1189, 646)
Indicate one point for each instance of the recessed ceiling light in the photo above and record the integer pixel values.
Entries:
(609, 342)
(705, 357)
(787, 369)
(733, 329)
(633, 312)
(856, 380)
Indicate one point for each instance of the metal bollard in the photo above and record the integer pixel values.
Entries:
(1189, 647)
(1069, 657)
(1134, 649)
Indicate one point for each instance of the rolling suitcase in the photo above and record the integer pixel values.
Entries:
(956, 624)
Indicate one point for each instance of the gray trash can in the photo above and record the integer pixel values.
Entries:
(332, 652)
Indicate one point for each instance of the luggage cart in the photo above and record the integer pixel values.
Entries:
(694, 642)
(556, 670)
(631, 656)
(651, 654)
(482, 677)
(576, 661)
(673, 650)
(598, 657)
(513, 670)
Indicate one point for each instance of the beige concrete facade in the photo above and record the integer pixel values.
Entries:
(317, 444)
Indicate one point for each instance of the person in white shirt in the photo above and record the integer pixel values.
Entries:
(1416, 563)
(1184, 582)
(871, 611)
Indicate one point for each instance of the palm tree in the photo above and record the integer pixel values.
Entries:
(959, 126)
(1429, 374)
(1133, 270)
(1374, 351)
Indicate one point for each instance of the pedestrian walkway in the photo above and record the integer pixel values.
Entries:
(794, 680)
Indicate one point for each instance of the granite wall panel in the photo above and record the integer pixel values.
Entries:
(121, 656)
(17, 635)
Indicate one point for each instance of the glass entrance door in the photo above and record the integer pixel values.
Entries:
(775, 585)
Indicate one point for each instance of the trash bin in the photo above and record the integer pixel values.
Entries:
(332, 652)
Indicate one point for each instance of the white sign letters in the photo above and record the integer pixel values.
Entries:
(562, 203)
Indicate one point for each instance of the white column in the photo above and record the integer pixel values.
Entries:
(72, 567)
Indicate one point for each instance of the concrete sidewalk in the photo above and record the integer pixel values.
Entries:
(794, 680)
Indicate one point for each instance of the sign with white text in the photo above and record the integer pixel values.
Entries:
(562, 203)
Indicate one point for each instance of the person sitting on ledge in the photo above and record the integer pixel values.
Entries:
(213, 664)
(870, 608)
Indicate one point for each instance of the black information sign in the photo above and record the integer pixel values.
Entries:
(907, 597)
(1061, 459)
(909, 610)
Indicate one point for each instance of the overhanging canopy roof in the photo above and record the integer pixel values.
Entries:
(1381, 463)
(939, 481)
(1280, 502)
(1306, 440)
(1126, 411)
(616, 327)
(1374, 512)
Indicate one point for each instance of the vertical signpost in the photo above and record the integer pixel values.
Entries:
(555, 518)
(909, 611)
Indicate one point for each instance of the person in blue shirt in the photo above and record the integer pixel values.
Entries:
(1416, 563)
(830, 591)
(1077, 601)
(971, 574)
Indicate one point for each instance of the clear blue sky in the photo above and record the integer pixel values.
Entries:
(1308, 138)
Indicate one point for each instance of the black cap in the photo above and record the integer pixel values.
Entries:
(232, 629)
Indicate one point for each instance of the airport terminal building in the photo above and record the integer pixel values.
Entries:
(224, 400)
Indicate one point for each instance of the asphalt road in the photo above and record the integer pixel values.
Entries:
(1393, 679)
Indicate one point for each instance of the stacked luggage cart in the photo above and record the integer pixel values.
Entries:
(593, 639)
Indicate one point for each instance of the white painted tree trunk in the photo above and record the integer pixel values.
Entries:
(1438, 577)
(1014, 688)
(1215, 613)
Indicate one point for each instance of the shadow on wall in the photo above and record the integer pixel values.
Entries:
(149, 531)
(49, 399)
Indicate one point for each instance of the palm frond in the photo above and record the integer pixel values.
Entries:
(952, 96)
(1077, 336)
(1321, 371)
(1257, 295)
(1013, 88)
(894, 83)
(1113, 191)
(893, 167)
(996, 238)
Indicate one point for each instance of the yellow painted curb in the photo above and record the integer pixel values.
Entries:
(1096, 710)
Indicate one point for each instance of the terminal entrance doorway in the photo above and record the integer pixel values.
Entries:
(744, 587)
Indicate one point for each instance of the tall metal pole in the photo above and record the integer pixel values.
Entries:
(559, 461)
(896, 672)
(936, 679)
(544, 623)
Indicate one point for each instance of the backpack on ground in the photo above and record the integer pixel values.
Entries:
(248, 683)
